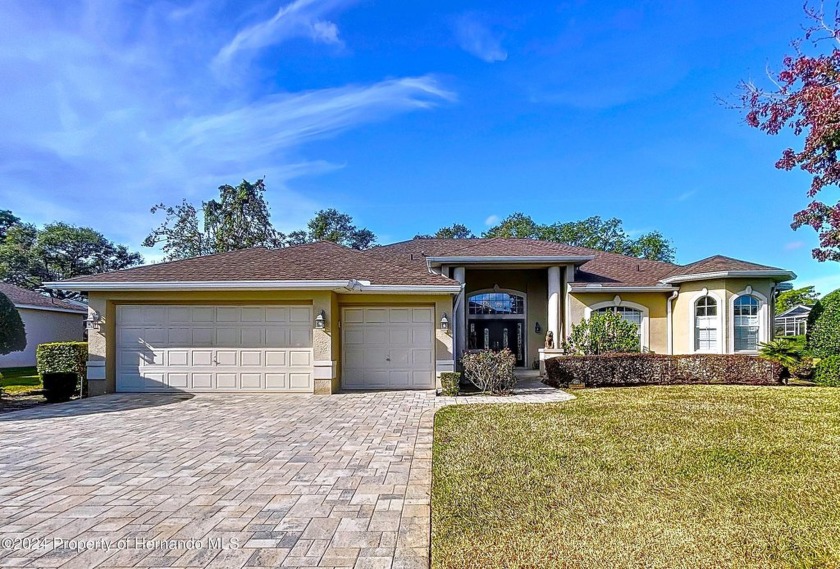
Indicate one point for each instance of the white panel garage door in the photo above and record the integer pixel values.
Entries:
(214, 348)
(388, 347)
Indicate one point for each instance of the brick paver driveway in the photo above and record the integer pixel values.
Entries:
(218, 481)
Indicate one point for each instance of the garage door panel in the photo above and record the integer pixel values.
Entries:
(252, 338)
(277, 314)
(275, 381)
(226, 381)
(154, 336)
(388, 347)
(300, 337)
(422, 316)
(203, 336)
(181, 337)
(131, 316)
(300, 358)
(207, 314)
(226, 358)
(275, 358)
(300, 314)
(228, 337)
(300, 380)
(179, 358)
(251, 380)
(228, 314)
(202, 381)
(277, 337)
(202, 358)
(178, 380)
(180, 315)
(251, 358)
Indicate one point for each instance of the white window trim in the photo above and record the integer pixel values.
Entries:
(763, 319)
(618, 303)
(721, 306)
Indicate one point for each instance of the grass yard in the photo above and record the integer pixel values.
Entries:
(684, 476)
(16, 380)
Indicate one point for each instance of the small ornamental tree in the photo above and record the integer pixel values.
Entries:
(12, 330)
(489, 370)
(805, 98)
(824, 326)
(603, 333)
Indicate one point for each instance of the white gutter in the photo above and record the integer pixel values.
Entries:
(80, 311)
(350, 285)
(197, 285)
(769, 273)
(602, 288)
(468, 260)
(669, 316)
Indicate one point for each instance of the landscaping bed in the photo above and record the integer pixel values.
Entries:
(21, 388)
(676, 476)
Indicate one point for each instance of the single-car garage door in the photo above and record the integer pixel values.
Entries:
(388, 347)
(214, 348)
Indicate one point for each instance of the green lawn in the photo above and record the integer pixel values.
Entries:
(685, 476)
(19, 379)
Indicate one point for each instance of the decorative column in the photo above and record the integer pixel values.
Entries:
(554, 292)
(459, 274)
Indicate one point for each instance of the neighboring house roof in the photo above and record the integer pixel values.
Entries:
(798, 310)
(23, 298)
(407, 264)
(323, 264)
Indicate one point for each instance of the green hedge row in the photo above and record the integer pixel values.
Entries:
(63, 369)
(656, 369)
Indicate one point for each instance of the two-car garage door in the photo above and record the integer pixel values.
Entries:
(214, 348)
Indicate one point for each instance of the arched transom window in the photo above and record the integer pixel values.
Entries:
(706, 324)
(746, 323)
(496, 303)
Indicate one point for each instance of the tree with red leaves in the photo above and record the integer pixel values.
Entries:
(806, 99)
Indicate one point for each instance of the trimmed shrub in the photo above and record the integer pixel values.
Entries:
(602, 333)
(59, 386)
(450, 382)
(824, 326)
(12, 330)
(655, 369)
(827, 372)
(63, 368)
(489, 370)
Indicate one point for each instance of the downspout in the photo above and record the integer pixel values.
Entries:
(670, 311)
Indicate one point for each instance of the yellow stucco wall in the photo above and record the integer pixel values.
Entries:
(655, 302)
(326, 342)
(724, 290)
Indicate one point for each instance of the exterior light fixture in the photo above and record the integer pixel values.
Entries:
(537, 328)
(444, 322)
(320, 320)
(93, 321)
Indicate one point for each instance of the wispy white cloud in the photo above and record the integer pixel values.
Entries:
(794, 245)
(102, 120)
(685, 196)
(491, 220)
(476, 38)
(297, 19)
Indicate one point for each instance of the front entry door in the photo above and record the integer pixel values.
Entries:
(498, 335)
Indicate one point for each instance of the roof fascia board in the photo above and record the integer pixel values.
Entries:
(80, 311)
(472, 260)
(769, 273)
(600, 288)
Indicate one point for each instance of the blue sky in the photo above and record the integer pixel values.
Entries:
(407, 115)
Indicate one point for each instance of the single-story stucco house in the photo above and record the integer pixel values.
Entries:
(321, 317)
(46, 319)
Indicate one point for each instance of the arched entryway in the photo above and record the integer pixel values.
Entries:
(496, 320)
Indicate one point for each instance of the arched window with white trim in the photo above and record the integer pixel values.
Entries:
(631, 315)
(746, 323)
(706, 332)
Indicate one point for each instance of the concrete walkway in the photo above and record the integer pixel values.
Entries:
(224, 480)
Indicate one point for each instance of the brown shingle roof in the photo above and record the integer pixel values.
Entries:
(22, 297)
(405, 263)
(313, 261)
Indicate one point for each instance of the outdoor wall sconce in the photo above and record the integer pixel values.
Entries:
(537, 328)
(93, 321)
(444, 322)
(320, 320)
